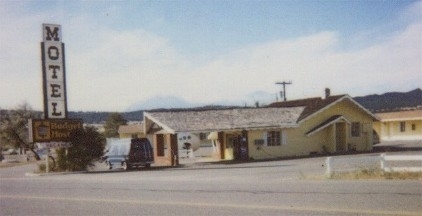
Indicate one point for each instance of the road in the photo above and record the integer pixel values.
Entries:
(288, 187)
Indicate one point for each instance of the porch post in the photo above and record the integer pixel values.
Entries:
(222, 145)
(174, 150)
(244, 147)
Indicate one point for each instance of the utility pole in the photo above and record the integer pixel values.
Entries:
(284, 83)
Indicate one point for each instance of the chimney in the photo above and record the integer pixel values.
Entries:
(327, 93)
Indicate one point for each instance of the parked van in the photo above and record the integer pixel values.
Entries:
(129, 153)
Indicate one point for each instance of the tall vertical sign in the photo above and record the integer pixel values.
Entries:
(54, 73)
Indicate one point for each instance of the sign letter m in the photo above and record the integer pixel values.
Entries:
(51, 32)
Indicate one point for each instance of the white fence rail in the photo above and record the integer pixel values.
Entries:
(387, 163)
(15, 158)
(386, 167)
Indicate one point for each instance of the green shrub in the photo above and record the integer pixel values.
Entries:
(87, 146)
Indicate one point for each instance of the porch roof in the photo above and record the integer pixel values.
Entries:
(223, 120)
(332, 120)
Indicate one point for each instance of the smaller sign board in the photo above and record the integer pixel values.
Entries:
(55, 145)
(48, 130)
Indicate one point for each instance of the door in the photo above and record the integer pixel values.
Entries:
(240, 146)
(236, 147)
(341, 137)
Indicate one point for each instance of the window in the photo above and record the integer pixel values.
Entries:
(413, 127)
(355, 129)
(402, 126)
(230, 141)
(273, 138)
(203, 136)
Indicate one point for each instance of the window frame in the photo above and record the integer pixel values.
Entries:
(356, 129)
(402, 126)
(274, 138)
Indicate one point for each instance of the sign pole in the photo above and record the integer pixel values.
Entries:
(47, 168)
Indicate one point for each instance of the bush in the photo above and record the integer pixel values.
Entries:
(87, 146)
(51, 165)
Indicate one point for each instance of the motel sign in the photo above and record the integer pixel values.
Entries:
(54, 73)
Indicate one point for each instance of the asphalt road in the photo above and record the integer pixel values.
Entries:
(288, 187)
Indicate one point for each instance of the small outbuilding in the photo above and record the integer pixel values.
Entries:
(283, 129)
(399, 125)
(131, 131)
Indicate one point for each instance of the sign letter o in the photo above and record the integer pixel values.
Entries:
(53, 53)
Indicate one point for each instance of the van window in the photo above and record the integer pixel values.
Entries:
(113, 150)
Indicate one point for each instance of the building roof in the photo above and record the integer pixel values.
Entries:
(131, 129)
(317, 104)
(230, 119)
(401, 115)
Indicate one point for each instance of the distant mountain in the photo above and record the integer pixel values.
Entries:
(391, 101)
(174, 102)
(161, 102)
(101, 117)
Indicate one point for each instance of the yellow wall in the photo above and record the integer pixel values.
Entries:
(299, 144)
(130, 135)
(390, 130)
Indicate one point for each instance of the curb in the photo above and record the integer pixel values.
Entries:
(28, 174)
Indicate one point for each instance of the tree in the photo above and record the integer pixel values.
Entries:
(14, 128)
(87, 146)
(112, 124)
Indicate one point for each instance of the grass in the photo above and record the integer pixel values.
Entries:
(377, 174)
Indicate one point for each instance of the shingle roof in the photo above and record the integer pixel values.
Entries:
(311, 105)
(230, 119)
(276, 115)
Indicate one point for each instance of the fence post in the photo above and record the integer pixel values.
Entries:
(382, 159)
(328, 171)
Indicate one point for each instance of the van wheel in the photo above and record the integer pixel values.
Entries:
(125, 166)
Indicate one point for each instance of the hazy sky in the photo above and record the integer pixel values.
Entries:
(121, 52)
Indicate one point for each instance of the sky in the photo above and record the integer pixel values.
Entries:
(121, 54)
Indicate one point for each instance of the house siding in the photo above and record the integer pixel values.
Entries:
(298, 143)
(132, 135)
(350, 111)
(168, 144)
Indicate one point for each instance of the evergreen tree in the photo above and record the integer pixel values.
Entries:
(112, 124)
